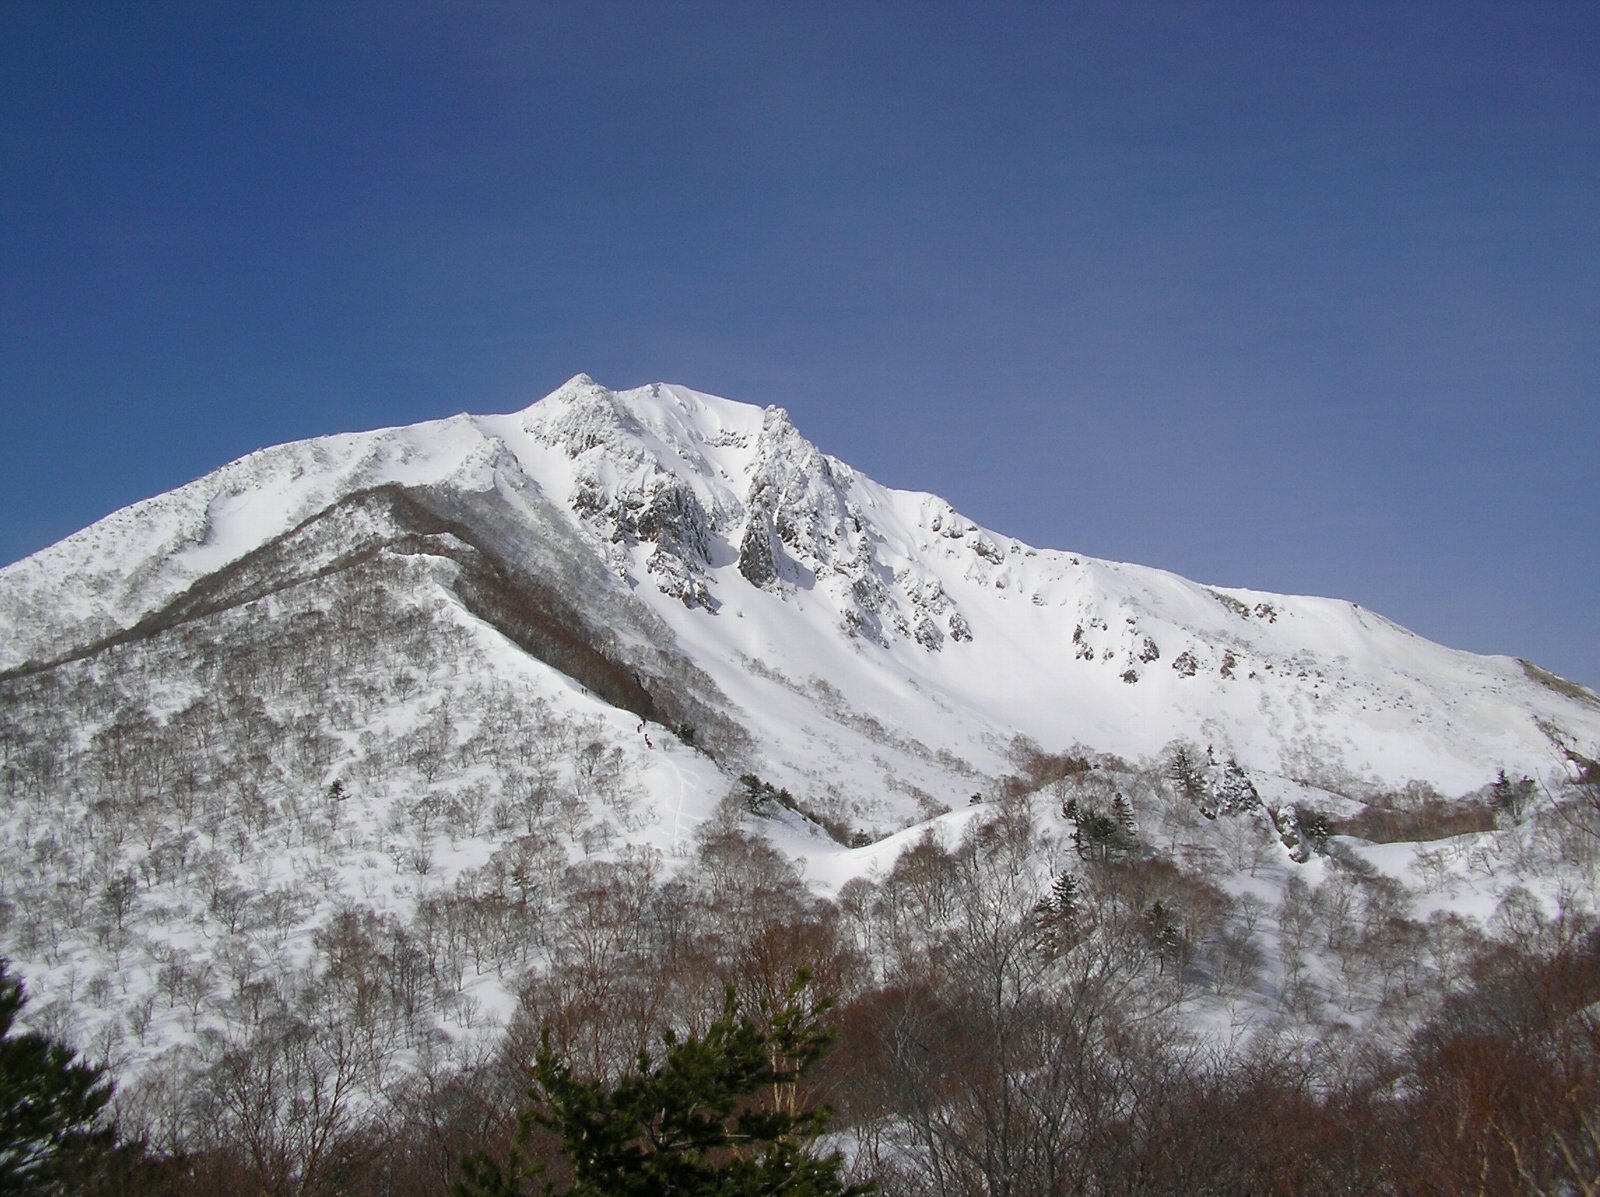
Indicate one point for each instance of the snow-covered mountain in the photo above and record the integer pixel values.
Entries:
(411, 709)
(697, 561)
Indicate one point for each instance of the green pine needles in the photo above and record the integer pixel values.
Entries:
(51, 1136)
(717, 1113)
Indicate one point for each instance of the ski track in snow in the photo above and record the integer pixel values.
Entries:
(679, 846)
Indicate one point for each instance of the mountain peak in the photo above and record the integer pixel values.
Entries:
(578, 384)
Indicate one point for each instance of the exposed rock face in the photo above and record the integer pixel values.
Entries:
(786, 517)
(756, 562)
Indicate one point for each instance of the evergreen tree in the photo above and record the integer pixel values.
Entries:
(1122, 812)
(716, 1114)
(1057, 916)
(1099, 836)
(1164, 934)
(50, 1106)
(1187, 774)
(1511, 798)
(1065, 894)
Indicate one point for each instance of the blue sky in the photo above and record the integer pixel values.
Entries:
(1298, 297)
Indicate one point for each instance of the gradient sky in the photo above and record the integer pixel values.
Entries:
(1298, 297)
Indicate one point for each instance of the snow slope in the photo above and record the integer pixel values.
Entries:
(881, 650)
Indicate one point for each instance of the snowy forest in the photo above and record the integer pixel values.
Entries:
(1099, 977)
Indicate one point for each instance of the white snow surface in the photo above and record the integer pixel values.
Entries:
(888, 651)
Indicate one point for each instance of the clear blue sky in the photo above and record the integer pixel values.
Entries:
(1304, 297)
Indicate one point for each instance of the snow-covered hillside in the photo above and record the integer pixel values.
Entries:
(880, 649)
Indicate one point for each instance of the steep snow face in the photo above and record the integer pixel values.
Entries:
(821, 583)
(640, 478)
(879, 647)
(683, 485)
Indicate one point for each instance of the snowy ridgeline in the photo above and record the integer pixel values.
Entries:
(771, 566)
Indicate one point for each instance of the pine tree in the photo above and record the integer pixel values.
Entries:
(1122, 812)
(1099, 836)
(50, 1107)
(1064, 895)
(1511, 798)
(1164, 934)
(1056, 916)
(1187, 775)
(716, 1114)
